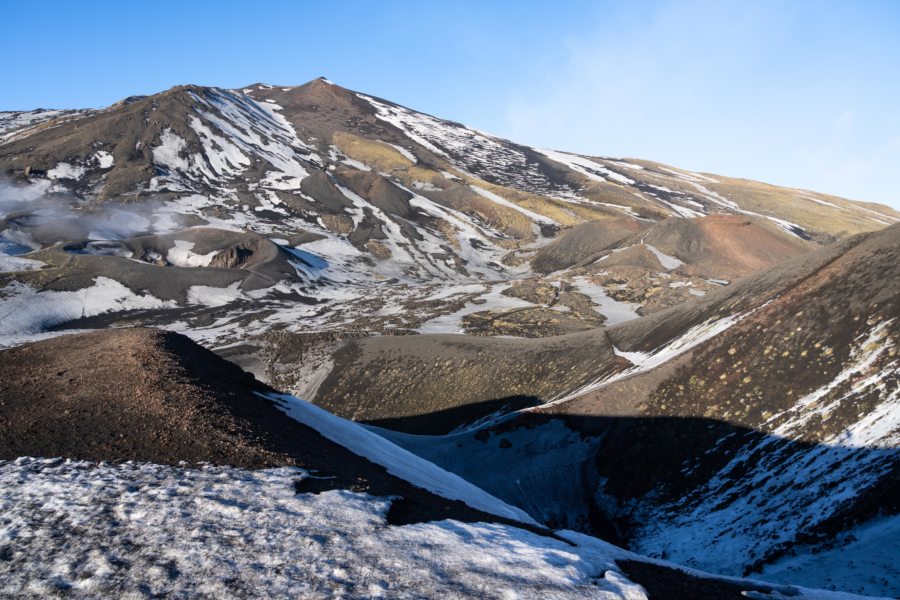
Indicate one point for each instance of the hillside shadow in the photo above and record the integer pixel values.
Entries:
(466, 415)
(577, 471)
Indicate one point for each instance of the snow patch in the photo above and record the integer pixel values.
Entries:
(491, 300)
(182, 255)
(24, 310)
(587, 167)
(66, 170)
(11, 264)
(406, 153)
(168, 153)
(668, 262)
(615, 312)
(504, 202)
(880, 427)
(214, 296)
(645, 361)
(104, 159)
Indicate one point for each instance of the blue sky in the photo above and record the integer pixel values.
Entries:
(802, 93)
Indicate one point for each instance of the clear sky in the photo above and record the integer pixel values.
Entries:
(801, 93)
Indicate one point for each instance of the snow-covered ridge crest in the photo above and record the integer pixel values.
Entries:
(396, 460)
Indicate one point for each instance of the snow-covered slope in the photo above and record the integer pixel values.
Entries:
(228, 533)
(85, 530)
(640, 188)
(15, 125)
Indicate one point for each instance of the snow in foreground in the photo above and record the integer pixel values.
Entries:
(87, 530)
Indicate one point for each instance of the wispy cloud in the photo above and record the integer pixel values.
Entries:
(669, 65)
(765, 90)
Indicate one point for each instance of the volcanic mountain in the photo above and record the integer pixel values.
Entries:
(357, 191)
(696, 367)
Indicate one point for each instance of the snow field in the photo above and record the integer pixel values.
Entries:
(87, 530)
